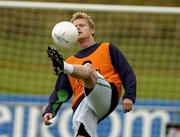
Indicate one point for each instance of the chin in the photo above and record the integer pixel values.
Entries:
(80, 38)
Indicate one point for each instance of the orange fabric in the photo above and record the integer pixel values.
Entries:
(100, 58)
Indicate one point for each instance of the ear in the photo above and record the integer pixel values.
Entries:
(92, 32)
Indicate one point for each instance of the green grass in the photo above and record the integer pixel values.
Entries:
(27, 70)
(150, 45)
(155, 86)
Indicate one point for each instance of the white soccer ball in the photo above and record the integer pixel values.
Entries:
(65, 34)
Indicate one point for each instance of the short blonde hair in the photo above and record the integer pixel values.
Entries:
(83, 15)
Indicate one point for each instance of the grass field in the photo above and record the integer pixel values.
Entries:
(150, 42)
(27, 70)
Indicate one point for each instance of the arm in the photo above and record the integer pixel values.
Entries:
(61, 94)
(127, 76)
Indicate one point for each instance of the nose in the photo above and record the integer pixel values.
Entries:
(78, 28)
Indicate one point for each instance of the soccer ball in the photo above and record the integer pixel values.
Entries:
(65, 34)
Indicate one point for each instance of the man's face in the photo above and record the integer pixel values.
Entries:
(84, 30)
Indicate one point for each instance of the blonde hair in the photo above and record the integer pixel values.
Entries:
(83, 15)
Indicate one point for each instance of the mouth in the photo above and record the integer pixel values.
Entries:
(79, 33)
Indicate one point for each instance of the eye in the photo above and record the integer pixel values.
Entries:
(81, 25)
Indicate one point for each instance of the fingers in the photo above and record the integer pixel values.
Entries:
(127, 105)
(47, 118)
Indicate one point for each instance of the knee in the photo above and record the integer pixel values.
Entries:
(91, 70)
(89, 67)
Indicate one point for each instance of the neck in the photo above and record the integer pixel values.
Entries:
(85, 43)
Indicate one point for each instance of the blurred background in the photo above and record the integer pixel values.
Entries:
(150, 40)
(174, 3)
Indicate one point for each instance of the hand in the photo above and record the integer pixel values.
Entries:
(127, 104)
(47, 117)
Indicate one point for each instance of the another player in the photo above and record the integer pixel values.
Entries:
(94, 76)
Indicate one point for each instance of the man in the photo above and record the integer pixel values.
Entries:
(94, 76)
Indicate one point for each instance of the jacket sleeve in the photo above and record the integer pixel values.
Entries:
(61, 93)
(125, 71)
